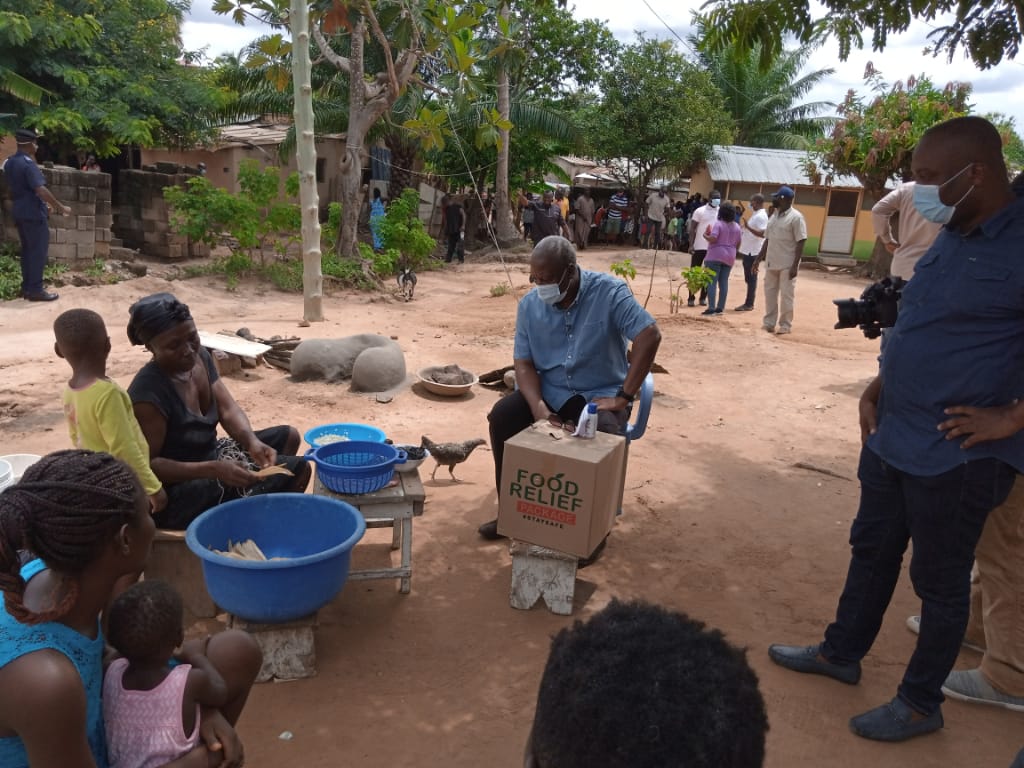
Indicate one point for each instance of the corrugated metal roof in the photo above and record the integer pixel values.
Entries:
(260, 134)
(754, 165)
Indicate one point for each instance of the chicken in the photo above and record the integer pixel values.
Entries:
(450, 453)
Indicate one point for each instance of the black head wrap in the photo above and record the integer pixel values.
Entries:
(152, 315)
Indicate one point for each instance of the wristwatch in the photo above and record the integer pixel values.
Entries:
(622, 393)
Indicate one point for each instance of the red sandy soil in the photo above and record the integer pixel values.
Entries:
(719, 522)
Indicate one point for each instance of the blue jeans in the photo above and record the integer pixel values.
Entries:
(721, 281)
(943, 516)
(750, 278)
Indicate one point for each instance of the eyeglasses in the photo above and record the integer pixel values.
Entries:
(534, 280)
(554, 420)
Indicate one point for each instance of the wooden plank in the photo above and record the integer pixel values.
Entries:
(234, 345)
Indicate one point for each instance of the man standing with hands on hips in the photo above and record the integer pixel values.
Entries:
(32, 203)
(783, 247)
(942, 427)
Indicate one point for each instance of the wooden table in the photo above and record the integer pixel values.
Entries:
(393, 507)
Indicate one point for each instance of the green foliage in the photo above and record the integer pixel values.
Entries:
(110, 72)
(1013, 145)
(875, 136)
(624, 269)
(329, 229)
(500, 289)
(10, 272)
(987, 30)
(403, 234)
(254, 217)
(765, 102)
(697, 278)
(658, 110)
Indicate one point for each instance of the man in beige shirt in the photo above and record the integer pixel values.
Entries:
(916, 232)
(782, 250)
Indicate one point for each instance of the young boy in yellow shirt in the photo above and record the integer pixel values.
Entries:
(98, 411)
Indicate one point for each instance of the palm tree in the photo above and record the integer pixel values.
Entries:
(764, 100)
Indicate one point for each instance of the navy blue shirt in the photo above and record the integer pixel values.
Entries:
(23, 179)
(580, 350)
(959, 340)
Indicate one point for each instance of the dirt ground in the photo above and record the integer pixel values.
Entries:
(719, 521)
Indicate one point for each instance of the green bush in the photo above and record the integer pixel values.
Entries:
(403, 234)
(10, 272)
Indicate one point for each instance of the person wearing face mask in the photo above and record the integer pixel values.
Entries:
(942, 427)
(916, 233)
(547, 217)
(570, 349)
(702, 217)
(783, 246)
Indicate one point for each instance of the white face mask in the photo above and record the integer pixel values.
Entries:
(552, 293)
(714, 202)
(930, 205)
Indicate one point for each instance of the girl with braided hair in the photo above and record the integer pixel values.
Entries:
(85, 517)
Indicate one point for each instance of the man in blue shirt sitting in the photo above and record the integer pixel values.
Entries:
(570, 349)
(31, 203)
(941, 426)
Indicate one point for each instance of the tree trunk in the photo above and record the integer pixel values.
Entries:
(305, 158)
(879, 264)
(503, 224)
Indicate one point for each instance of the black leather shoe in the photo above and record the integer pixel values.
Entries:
(895, 721)
(41, 296)
(585, 561)
(489, 531)
(808, 659)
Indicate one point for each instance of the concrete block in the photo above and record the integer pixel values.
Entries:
(87, 194)
(87, 222)
(171, 560)
(86, 251)
(102, 235)
(226, 363)
(103, 207)
(81, 236)
(540, 572)
(102, 248)
(289, 649)
(104, 221)
(65, 252)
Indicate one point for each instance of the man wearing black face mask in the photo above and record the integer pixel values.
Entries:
(942, 427)
(570, 350)
(547, 217)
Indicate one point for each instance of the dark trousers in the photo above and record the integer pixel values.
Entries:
(35, 242)
(697, 260)
(512, 414)
(653, 231)
(943, 516)
(750, 278)
(455, 247)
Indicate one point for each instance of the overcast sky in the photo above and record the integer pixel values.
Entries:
(998, 90)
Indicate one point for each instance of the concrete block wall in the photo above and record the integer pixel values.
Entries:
(142, 219)
(85, 234)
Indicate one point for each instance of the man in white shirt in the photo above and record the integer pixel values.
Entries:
(750, 246)
(783, 247)
(916, 232)
(657, 203)
(699, 220)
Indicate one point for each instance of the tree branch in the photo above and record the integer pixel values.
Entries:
(328, 53)
(388, 56)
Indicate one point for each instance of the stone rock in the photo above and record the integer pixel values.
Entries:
(373, 362)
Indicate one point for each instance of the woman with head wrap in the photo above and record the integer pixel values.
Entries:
(179, 400)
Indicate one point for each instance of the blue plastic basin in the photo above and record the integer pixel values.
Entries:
(315, 533)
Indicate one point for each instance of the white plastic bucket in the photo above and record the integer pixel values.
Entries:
(6, 474)
(19, 462)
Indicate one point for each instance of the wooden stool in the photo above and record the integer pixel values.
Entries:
(289, 650)
(171, 560)
(540, 572)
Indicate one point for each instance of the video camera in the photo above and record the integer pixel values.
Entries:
(876, 308)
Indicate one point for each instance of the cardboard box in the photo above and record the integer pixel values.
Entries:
(561, 493)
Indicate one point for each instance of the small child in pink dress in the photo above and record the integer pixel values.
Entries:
(151, 705)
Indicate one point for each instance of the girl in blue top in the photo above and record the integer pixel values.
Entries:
(87, 518)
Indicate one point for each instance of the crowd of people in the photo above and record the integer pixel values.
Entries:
(942, 428)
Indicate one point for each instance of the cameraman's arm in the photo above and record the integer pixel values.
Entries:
(760, 257)
(982, 425)
(868, 409)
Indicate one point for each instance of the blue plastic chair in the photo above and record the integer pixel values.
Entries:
(636, 429)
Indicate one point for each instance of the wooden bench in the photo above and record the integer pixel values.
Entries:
(171, 560)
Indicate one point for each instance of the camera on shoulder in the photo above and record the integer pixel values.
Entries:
(876, 308)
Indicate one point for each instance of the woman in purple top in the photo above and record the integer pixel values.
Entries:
(723, 239)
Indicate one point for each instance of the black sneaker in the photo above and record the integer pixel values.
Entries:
(743, 308)
(489, 531)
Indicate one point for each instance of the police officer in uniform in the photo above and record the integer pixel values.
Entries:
(32, 204)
